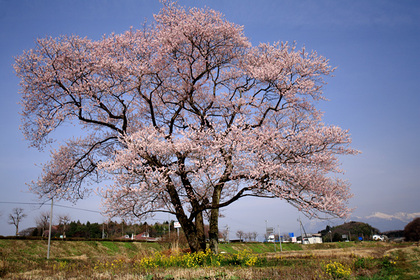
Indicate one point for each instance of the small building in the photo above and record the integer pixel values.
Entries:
(314, 238)
(377, 237)
(271, 238)
(145, 237)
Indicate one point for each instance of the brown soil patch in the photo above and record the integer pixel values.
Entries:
(330, 253)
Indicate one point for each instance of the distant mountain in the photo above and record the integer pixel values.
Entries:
(386, 222)
(386, 225)
(381, 221)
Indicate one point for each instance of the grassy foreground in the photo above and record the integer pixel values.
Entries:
(26, 259)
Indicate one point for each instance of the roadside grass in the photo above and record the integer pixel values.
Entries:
(258, 247)
(112, 246)
(26, 259)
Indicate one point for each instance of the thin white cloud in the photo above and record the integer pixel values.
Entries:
(402, 216)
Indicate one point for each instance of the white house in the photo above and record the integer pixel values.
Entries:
(312, 238)
(377, 237)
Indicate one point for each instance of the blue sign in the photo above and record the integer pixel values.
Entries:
(291, 234)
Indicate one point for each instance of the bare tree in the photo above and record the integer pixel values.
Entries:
(225, 234)
(15, 217)
(253, 236)
(240, 234)
(63, 221)
(42, 222)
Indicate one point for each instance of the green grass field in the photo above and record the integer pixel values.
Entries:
(26, 259)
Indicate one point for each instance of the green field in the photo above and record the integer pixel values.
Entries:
(26, 259)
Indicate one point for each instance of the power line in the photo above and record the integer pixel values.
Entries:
(31, 203)
(43, 203)
(82, 209)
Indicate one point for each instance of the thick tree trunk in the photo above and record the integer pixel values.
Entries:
(190, 232)
(194, 233)
(198, 228)
(214, 231)
(214, 222)
(199, 224)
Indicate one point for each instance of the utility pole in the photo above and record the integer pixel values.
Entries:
(266, 234)
(103, 230)
(300, 228)
(301, 235)
(49, 233)
(122, 227)
(227, 233)
(278, 229)
(169, 228)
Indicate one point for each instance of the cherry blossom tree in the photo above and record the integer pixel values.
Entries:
(185, 116)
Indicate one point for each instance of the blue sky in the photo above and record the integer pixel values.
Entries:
(375, 94)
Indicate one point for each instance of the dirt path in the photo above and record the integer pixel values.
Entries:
(375, 252)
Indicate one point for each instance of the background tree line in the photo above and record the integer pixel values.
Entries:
(111, 229)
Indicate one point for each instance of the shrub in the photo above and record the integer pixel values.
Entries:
(388, 265)
(337, 270)
(364, 263)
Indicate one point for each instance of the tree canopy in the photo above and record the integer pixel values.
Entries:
(412, 230)
(186, 117)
